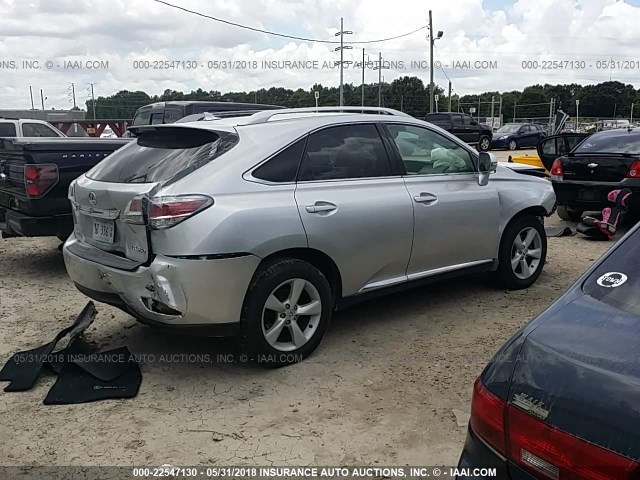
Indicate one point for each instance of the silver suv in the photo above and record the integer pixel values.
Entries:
(262, 225)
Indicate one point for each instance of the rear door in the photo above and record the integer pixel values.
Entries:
(459, 129)
(135, 172)
(456, 220)
(354, 207)
(472, 129)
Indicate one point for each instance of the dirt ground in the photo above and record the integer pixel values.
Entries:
(381, 389)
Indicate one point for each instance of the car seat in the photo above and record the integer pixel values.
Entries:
(605, 228)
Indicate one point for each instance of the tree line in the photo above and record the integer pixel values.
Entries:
(605, 100)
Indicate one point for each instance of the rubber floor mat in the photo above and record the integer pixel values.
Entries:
(24, 368)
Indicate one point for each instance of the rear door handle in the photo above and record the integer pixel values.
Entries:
(320, 207)
(427, 198)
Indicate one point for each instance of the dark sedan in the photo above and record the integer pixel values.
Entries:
(602, 162)
(561, 399)
(517, 135)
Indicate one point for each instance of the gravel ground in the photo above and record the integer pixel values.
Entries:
(390, 384)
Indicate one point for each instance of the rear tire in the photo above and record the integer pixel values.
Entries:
(523, 252)
(272, 331)
(569, 215)
(484, 143)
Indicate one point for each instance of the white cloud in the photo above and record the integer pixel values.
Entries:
(123, 31)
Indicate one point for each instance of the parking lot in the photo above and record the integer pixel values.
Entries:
(390, 384)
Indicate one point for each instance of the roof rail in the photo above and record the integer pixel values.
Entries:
(265, 115)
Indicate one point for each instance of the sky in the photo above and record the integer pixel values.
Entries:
(487, 45)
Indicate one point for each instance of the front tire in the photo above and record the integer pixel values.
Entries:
(286, 312)
(484, 143)
(569, 215)
(523, 252)
(513, 145)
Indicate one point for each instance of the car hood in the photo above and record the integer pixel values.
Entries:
(580, 360)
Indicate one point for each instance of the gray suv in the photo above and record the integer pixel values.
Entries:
(262, 226)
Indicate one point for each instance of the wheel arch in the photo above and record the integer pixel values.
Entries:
(318, 259)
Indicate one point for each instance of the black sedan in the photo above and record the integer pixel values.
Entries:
(561, 399)
(517, 135)
(602, 162)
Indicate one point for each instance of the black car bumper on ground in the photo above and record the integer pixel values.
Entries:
(478, 456)
(592, 196)
(18, 224)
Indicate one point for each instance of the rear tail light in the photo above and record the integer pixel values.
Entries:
(552, 453)
(487, 417)
(634, 170)
(39, 179)
(165, 212)
(557, 172)
(133, 213)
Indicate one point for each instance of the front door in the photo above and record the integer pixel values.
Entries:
(456, 220)
(354, 208)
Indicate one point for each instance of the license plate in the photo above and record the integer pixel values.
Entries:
(103, 230)
(589, 195)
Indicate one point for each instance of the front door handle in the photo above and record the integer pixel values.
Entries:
(320, 207)
(426, 198)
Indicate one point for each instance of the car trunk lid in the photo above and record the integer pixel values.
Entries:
(588, 386)
(611, 168)
(131, 177)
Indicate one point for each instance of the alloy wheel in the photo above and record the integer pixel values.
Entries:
(291, 314)
(526, 253)
(484, 144)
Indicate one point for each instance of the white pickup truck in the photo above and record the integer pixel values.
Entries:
(27, 127)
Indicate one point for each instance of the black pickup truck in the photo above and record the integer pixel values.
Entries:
(35, 174)
(463, 126)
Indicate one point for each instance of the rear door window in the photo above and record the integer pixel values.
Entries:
(38, 130)
(7, 130)
(163, 155)
(457, 120)
(345, 152)
(616, 281)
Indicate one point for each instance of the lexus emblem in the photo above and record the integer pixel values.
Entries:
(592, 165)
(92, 198)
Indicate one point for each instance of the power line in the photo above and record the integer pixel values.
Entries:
(284, 35)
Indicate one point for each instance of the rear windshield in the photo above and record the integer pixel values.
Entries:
(142, 118)
(617, 280)
(618, 141)
(163, 155)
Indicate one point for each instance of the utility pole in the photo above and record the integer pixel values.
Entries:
(515, 102)
(493, 99)
(379, 68)
(31, 95)
(615, 106)
(42, 98)
(430, 63)
(578, 114)
(449, 95)
(93, 100)
(363, 67)
(500, 111)
(631, 119)
(342, 48)
(73, 94)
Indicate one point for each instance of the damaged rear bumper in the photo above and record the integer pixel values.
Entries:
(170, 291)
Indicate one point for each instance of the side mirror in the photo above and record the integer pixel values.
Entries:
(487, 164)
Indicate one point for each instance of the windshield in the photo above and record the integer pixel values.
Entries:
(509, 128)
(616, 281)
(614, 141)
